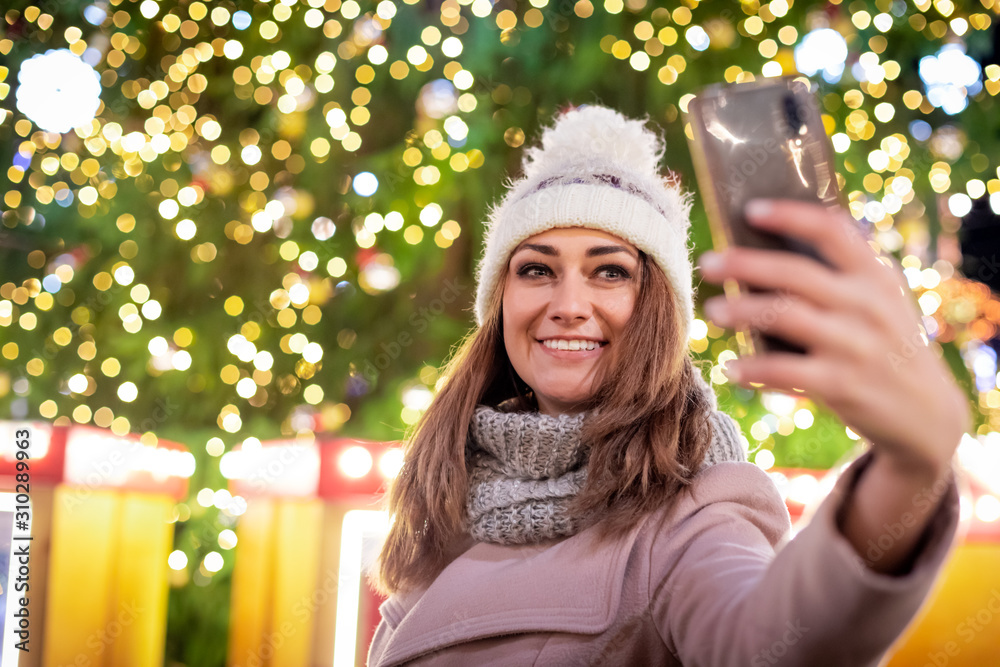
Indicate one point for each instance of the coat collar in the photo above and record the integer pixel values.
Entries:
(569, 585)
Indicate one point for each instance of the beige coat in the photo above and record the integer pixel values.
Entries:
(718, 585)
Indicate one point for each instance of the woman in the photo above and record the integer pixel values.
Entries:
(574, 497)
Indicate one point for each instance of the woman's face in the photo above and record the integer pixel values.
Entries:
(567, 284)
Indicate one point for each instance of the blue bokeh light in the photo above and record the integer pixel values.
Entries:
(241, 20)
(22, 161)
(950, 77)
(697, 38)
(51, 283)
(920, 130)
(94, 15)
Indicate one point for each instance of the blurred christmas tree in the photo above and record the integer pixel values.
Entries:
(252, 219)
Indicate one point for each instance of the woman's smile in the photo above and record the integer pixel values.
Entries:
(572, 349)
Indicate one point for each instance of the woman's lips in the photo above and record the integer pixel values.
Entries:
(572, 354)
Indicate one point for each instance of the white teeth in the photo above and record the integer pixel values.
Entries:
(571, 344)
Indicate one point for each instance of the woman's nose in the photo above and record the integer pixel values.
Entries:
(570, 300)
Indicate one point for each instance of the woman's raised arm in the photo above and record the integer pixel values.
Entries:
(866, 360)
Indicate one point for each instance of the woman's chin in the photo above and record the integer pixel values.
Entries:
(563, 402)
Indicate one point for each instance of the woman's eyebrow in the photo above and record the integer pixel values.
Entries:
(595, 251)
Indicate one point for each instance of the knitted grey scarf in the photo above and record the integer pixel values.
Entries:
(525, 467)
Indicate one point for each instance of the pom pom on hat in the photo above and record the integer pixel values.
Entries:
(590, 133)
(594, 168)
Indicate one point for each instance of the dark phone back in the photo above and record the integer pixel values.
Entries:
(760, 140)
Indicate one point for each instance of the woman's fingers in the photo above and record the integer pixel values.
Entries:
(856, 318)
(783, 270)
(795, 320)
(833, 233)
(858, 282)
(786, 372)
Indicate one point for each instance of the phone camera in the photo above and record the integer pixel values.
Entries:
(793, 114)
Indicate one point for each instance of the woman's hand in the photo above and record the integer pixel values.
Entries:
(866, 357)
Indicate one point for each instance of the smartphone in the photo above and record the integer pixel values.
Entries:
(761, 139)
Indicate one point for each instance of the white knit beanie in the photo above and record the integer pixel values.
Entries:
(595, 168)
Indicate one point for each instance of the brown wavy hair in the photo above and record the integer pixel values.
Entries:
(647, 440)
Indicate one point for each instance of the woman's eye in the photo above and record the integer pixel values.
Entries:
(617, 272)
(532, 270)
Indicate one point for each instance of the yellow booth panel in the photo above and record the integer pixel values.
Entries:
(960, 625)
(324, 601)
(81, 575)
(275, 583)
(297, 542)
(248, 615)
(139, 614)
(107, 589)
